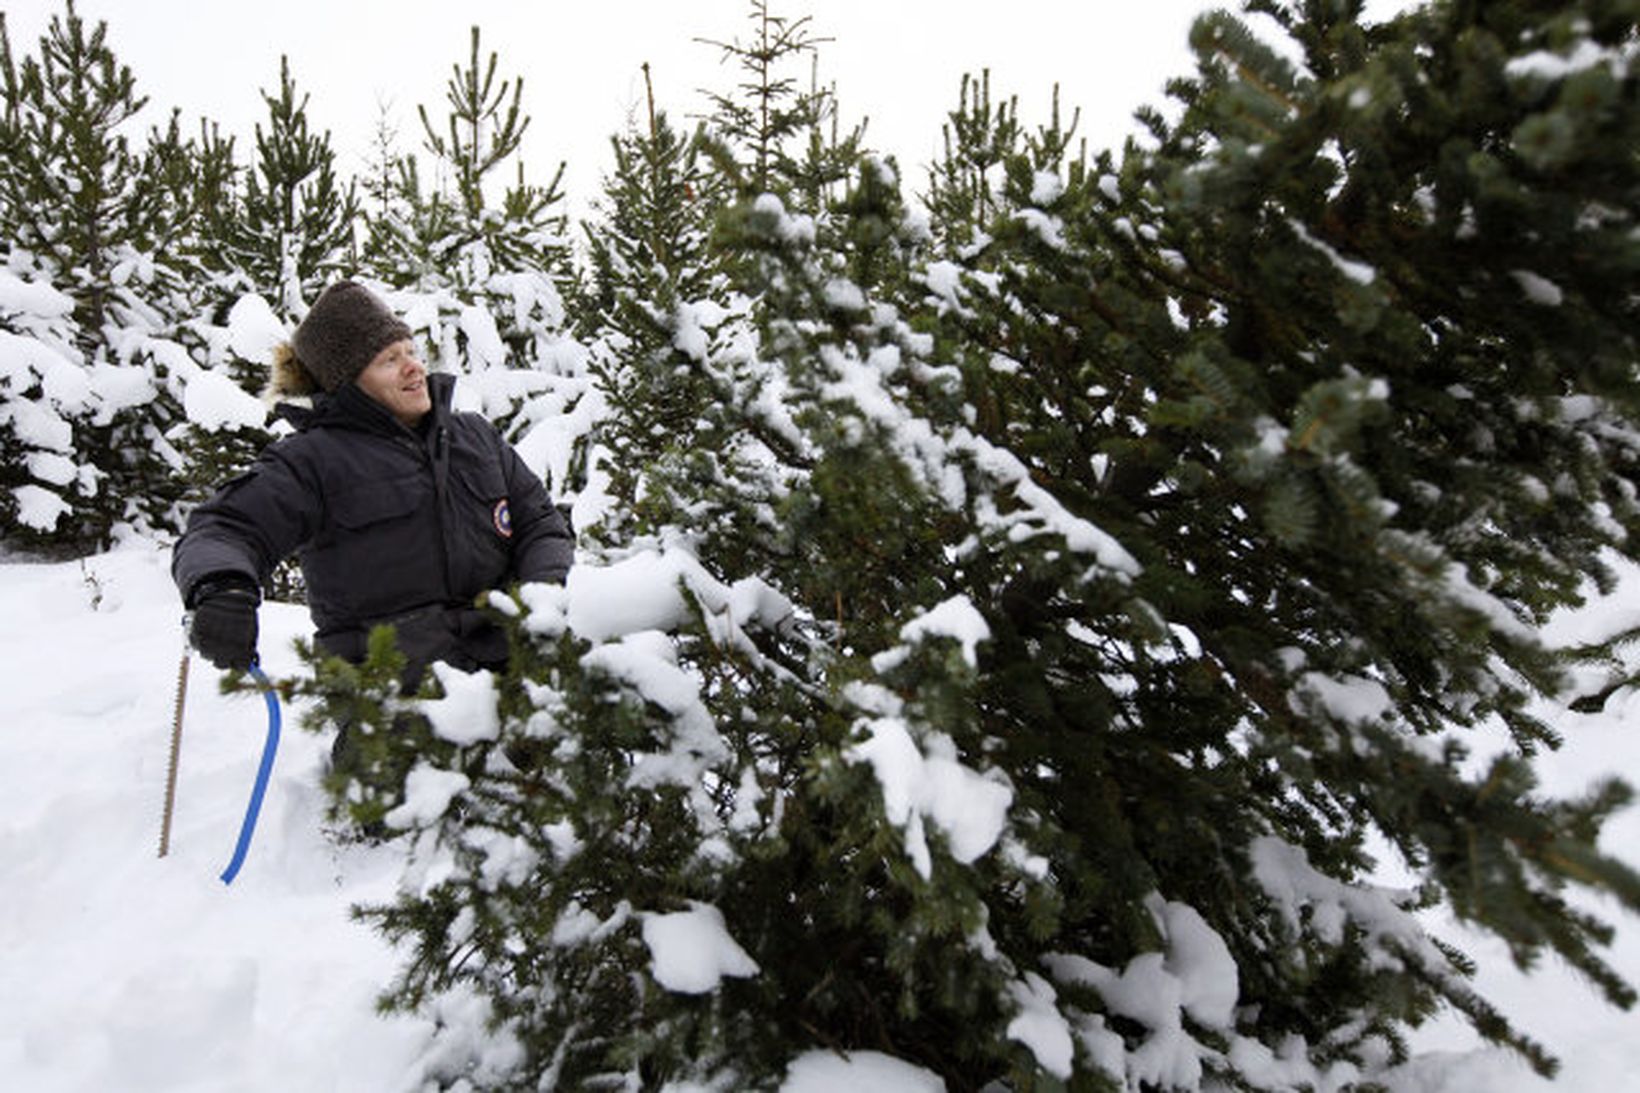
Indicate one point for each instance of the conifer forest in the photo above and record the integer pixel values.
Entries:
(1071, 577)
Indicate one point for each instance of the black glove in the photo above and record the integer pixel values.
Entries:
(224, 621)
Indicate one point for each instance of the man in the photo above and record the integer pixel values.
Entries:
(401, 511)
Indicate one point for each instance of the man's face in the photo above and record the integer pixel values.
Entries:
(397, 379)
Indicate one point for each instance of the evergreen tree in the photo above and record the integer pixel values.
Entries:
(43, 393)
(501, 270)
(408, 227)
(1021, 669)
(377, 182)
(267, 238)
(767, 113)
(293, 232)
(968, 195)
(103, 222)
(1293, 378)
(482, 131)
(963, 185)
(830, 158)
(215, 188)
(389, 182)
(652, 303)
(636, 781)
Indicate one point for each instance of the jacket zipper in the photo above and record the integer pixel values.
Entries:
(439, 457)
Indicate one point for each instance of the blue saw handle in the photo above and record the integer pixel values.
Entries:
(263, 773)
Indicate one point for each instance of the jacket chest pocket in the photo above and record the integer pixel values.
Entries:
(379, 553)
(366, 505)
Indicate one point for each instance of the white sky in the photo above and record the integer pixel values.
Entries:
(899, 62)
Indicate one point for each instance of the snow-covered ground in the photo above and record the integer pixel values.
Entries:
(121, 972)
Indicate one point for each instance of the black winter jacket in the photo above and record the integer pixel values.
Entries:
(392, 525)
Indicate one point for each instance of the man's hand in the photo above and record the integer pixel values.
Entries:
(224, 621)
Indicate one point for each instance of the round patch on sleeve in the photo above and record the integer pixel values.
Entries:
(502, 517)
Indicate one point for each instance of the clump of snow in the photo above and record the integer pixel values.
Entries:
(466, 714)
(559, 418)
(528, 296)
(857, 1072)
(651, 590)
(692, 325)
(58, 470)
(647, 662)
(1460, 589)
(789, 227)
(1200, 960)
(1545, 65)
(120, 387)
(1327, 906)
(485, 349)
(1359, 272)
(213, 401)
(1195, 975)
(1050, 229)
(844, 295)
(38, 507)
(1041, 1027)
(428, 792)
(1046, 188)
(1272, 437)
(1042, 513)
(957, 618)
(20, 297)
(970, 807)
(36, 423)
(25, 361)
(1351, 698)
(254, 331)
(469, 1041)
(944, 282)
(1146, 992)
(1539, 290)
(643, 592)
(507, 859)
(691, 951)
(578, 926)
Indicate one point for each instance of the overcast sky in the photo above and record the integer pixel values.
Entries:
(898, 62)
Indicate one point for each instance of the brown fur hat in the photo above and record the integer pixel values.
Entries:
(343, 331)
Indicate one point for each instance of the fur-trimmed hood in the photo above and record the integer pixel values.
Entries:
(288, 377)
